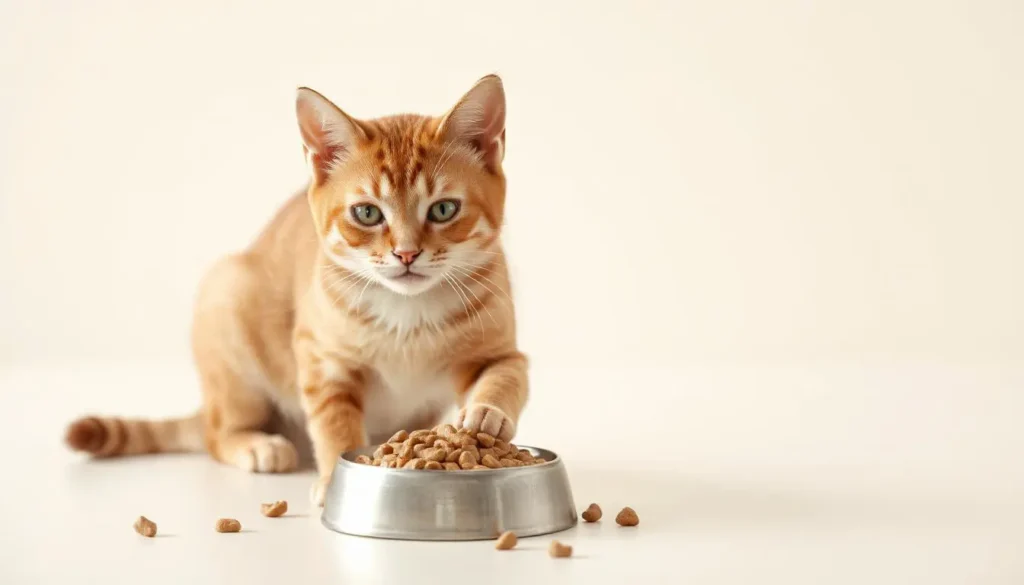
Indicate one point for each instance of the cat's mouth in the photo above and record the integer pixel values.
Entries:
(408, 276)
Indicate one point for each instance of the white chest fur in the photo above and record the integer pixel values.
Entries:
(398, 396)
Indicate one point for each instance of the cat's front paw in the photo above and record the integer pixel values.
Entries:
(318, 491)
(488, 419)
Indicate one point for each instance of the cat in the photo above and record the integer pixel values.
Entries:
(376, 300)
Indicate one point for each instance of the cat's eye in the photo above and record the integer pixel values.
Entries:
(443, 211)
(366, 214)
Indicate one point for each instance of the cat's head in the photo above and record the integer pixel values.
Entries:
(407, 200)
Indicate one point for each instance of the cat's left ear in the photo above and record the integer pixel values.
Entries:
(479, 120)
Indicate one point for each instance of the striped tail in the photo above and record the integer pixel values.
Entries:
(113, 437)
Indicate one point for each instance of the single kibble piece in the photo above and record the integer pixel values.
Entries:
(451, 466)
(433, 454)
(398, 437)
(433, 465)
(592, 513)
(490, 461)
(627, 517)
(506, 541)
(145, 527)
(559, 551)
(274, 509)
(485, 439)
(406, 452)
(447, 432)
(228, 525)
(385, 449)
(467, 460)
(465, 440)
(363, 459)
(453, 456)
(501, 448)
(416, 463)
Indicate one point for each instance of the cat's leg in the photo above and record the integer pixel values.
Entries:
(233, 415)
(331, 393)
(495, 399)
(235, 410)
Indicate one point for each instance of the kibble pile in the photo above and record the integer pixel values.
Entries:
(445, 448)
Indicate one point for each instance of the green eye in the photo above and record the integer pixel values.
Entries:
(367, 215)
(442, 211)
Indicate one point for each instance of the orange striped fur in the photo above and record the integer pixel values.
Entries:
(320, 321)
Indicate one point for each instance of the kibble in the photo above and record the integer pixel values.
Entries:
(507, 541)
(228, 525)
(558, 550)
(449, 449)
(145, 527)
(592, 513)
(627, 517)
(275, 509)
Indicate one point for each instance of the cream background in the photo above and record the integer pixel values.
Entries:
(779, 239)
(688, 181)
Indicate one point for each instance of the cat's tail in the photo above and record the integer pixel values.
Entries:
(113, 437)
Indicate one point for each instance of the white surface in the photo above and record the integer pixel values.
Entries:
(742, 179)
(792, 475)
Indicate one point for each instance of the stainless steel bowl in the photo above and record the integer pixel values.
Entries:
(408, 504)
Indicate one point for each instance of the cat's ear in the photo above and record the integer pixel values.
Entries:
(479, 120)
(328, 134)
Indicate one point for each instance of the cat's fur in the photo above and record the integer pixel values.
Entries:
(312, 323)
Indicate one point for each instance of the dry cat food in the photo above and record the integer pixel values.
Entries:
(558, 550)
(592, 513)
(228, 525)
(444, 448)
(627, 517)
(145, 527)
(275, 509)
(506, 541)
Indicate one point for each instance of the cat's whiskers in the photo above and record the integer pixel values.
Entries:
(448, 279)
(463, 286)
(463, 267)
(477, 297)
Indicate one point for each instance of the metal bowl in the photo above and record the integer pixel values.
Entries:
(407, 504)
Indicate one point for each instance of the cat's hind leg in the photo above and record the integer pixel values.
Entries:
(236, 410)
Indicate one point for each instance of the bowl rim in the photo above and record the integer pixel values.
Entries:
(347, 460)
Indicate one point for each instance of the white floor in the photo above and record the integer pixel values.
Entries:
(839, 474)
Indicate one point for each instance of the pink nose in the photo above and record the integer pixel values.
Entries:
(406, 256)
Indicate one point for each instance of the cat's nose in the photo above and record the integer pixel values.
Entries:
(406, 256)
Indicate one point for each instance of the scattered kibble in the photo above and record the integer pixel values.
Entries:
(558, 550)
(445, 448)
(627, 517)
(228, 525)
(592, 513)
(275, 509)
(145, 527)
(506, 541)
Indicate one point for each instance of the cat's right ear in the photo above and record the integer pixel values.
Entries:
(328, 134)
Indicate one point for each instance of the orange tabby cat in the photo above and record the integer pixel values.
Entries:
(375, 302)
